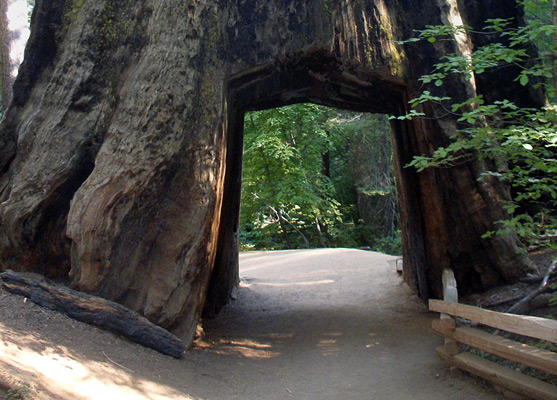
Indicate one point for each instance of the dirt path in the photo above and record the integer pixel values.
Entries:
(311, 324)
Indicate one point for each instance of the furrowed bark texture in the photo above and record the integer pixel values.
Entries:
(123, 145)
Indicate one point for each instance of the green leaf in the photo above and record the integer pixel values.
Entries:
(519, 142)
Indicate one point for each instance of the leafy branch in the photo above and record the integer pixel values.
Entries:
(520, 143)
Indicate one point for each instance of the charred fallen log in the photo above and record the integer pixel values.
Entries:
(93, 310)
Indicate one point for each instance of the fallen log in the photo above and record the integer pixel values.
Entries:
(543, 300)
(501, 302)
(523, 305)
(96, 311)
(537, 279)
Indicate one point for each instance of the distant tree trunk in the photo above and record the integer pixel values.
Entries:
(284, 232)
(319, 233)
(554, 13)
(326, 164)
(554, 20)
(293, 225)
(281, 221)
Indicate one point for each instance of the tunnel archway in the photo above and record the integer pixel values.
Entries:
(317, 79)
(120, 153)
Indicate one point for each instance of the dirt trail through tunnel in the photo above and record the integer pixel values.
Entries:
(306, 324)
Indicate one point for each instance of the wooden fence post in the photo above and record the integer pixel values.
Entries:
(450, 295)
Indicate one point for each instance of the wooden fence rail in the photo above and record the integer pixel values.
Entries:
(534, 327)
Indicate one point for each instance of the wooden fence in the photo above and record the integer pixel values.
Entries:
(534, 327)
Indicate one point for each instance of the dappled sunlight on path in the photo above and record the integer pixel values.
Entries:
(56, 372)
(305, 324)
(330, 323)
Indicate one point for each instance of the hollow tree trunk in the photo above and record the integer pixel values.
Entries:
(120, 155)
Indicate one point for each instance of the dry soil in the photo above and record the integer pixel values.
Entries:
(305, 324)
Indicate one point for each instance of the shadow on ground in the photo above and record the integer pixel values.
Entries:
(309, 324)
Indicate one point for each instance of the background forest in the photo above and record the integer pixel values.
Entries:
(318, 177)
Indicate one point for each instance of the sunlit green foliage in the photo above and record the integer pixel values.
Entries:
(30, 5)
(520, 143)
(310, 172)
(283, 182)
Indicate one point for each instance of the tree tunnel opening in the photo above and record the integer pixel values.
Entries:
(155, 224)
(317, 177)
(319, 81)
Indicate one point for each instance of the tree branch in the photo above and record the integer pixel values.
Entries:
(523, 305)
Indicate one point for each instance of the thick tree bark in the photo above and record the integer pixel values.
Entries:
(121, 153)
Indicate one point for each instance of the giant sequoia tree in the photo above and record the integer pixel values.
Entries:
(120, 156)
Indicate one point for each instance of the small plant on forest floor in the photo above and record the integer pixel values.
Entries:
(389, 245)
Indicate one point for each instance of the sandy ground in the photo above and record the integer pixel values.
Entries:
(306, 324)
